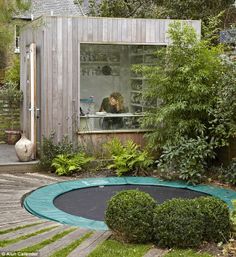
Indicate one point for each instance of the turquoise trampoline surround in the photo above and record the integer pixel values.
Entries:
(40, 201)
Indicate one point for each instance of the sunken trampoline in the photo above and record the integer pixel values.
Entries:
(83, 202)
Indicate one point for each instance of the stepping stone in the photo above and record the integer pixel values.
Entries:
(155, 252)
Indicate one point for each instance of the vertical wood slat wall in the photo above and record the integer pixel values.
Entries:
(58, 47)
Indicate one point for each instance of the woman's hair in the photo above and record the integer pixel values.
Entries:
(119, 98)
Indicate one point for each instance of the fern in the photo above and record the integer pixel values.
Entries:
(129, 158)
(66, 164)
(114, 147)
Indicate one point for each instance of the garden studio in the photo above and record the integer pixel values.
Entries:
(69, 65)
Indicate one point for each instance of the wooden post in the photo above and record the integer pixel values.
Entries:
(33, 96)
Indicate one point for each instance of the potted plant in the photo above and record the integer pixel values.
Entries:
(11, 97)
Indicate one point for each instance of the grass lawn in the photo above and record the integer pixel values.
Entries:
(114, 248)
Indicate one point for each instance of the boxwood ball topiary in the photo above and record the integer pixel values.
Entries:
(216, 217)
(178, 223)
(129, 215)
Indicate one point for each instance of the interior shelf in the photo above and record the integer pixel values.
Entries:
(139, 55)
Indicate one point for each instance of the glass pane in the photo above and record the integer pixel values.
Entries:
(111, 92)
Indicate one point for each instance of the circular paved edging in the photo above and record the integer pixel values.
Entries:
(40, 201)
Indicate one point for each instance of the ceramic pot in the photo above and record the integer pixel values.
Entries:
(12, 136)
(24, 149)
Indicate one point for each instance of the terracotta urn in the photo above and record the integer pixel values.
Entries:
(12, 136)
(24, 149)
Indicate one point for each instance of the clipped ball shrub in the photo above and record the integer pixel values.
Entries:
(129, 215)
(178, 223)
(216, 218)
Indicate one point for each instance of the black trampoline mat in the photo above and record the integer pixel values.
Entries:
(91, 202)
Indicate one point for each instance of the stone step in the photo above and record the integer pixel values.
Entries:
(18, 167)
(90, 244)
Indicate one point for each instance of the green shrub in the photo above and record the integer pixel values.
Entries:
(186, 159)
(129, 215)
(67, 164)
(178, 223)
(50, 150)
(216, 217)
(233, 218)
(194, 88)
(128, 157)
(228, 174)
(11, 93)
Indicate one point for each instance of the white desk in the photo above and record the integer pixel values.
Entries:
(89, 122)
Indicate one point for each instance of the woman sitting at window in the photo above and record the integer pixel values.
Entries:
(113, 104)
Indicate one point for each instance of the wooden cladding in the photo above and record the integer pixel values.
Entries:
(58, 42)
(115, 30)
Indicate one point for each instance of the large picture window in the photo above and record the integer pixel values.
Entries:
(110, 92)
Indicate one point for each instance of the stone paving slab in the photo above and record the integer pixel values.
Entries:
(9, 162)
(155, 252)
(8, 154)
